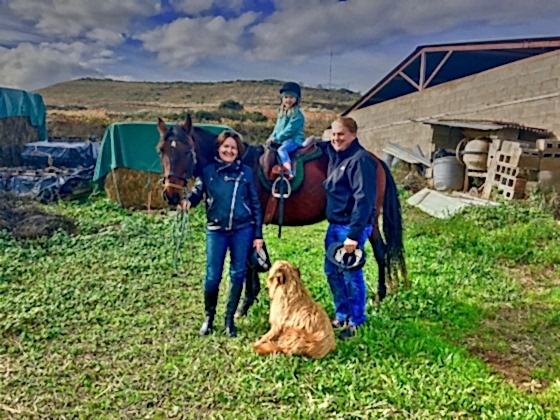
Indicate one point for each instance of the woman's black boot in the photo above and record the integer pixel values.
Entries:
(210, 302)
(233, 300)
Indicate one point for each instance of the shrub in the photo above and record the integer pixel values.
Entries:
(231, 104)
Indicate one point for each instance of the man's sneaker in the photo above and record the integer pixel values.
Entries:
(347, 333)
(337, 324)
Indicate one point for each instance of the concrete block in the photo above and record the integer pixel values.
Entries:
(550, 163)
(543, 144)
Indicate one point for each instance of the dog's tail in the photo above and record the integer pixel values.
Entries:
(267, 348)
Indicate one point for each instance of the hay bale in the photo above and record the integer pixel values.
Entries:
(15, 132)
(137, 190)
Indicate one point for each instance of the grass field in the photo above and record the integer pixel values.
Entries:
(95, 326)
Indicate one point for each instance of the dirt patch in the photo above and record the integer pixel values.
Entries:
(520, 343)
(23, 218)
(511, 371)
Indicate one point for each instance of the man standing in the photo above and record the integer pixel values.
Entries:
(351, 191)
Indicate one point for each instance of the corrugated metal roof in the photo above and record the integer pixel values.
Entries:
(485, 126)
(466, 124)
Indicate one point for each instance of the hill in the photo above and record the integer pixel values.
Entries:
(132, 97)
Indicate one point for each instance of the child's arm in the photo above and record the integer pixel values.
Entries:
(294, 126)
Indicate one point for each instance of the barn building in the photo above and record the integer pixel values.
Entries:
(509, 84)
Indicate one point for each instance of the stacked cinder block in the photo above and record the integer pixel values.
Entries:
(513, 165)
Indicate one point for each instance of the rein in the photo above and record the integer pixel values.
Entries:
(181, 230)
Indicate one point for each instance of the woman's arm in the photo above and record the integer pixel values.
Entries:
(196, 193)
(255, 204)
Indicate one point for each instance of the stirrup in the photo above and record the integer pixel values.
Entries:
(275, 189)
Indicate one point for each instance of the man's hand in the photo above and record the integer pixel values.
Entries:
(350, 245)
(184, 205)
(258, 243)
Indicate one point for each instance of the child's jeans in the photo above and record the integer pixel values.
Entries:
(285, 149)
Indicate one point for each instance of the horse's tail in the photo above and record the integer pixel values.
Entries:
(393, 230)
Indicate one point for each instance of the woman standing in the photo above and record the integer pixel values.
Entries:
(234, 218)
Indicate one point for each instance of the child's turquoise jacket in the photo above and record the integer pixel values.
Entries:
(289, 127)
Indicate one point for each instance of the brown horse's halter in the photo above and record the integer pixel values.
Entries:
(180, 137)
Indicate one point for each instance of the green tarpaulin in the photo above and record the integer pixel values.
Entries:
(19, 103)
(133, 145)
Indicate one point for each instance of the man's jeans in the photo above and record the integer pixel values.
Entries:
(348, 288)
(239, 242)
(285, 149)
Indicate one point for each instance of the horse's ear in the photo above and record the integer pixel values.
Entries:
(188, 126)
(162, 128)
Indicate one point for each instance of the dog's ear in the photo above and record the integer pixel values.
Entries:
(298, 272)
(281, 276)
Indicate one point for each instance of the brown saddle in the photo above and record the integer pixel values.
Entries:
(270, 164)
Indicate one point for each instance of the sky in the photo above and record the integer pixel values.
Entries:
(43, 42)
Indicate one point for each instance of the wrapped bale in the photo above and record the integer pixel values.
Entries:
(137, 190)
(15, 132)
(133, 189)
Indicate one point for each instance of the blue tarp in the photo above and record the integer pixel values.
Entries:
(42, 154)
(20, 103)
(46, 186)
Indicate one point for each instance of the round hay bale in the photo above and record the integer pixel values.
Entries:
(15, 132)
(133, 189)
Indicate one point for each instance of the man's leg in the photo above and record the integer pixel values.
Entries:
(336, 278)
(357, 294)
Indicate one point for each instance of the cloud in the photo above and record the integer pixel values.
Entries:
(105, 36)
(29, 66)
(189, 40)
(299, 30)
(196, 7)
(75, 17)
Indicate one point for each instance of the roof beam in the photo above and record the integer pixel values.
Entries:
(494, 46)
(384, 83)
(422, 70)
(437, 69)
(409, 80)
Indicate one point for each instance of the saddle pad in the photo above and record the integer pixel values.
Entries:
(298, 179)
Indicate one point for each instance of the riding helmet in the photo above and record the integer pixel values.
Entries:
(344, 260)
(292, 88)
(259, 261)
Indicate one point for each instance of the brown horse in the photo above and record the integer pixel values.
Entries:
(185, 150)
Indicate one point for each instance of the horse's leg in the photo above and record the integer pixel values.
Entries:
(252, 289)
(379, 246)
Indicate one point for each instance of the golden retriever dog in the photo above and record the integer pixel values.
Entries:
(298, 325)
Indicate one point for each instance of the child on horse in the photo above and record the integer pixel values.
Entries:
(288, 131)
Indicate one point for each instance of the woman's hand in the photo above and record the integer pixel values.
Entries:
(270, 141)
(184, 205)
(258, 243)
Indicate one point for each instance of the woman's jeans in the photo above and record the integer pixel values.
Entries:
(239, 242)
(285, 149)
(348, 287)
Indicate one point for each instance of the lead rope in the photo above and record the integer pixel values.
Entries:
(181, 230)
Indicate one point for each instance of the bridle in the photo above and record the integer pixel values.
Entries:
(179, 134)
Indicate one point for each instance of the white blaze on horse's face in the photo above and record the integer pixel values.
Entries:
(173, 144)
